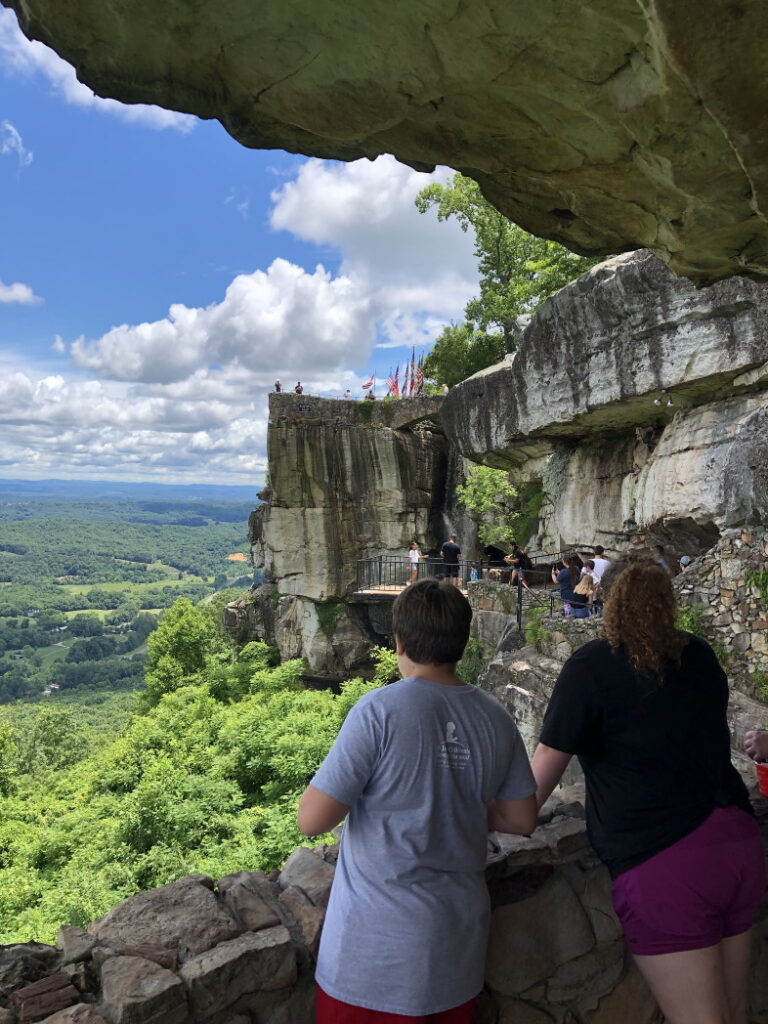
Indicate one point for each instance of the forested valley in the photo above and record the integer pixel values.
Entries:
(187, 757)
(83, 580)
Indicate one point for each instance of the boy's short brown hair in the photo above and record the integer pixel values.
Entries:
(431, 620)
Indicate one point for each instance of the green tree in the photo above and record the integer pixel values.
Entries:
(177, 650)
(488, 494)
(517, 272)
(459, 351)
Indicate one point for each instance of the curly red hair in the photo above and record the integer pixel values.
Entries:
(640, 616)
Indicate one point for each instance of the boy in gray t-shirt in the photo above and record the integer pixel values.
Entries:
(422, 769)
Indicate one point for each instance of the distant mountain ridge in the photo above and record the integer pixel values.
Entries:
(117, 489)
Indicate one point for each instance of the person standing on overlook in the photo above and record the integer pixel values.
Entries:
(645, 712)
(602, 564)
(414, 555)
(278, 386)
(422, 769)
(451, 553)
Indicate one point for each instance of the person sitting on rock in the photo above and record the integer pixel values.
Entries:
(421, 769)
(299, 389)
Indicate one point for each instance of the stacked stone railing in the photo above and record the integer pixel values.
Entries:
(243, 950)
(720, 584)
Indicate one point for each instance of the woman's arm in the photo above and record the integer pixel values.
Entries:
(548, 766)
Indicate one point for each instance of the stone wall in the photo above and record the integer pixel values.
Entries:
(242, 951)
(732, 611)
(521, 674)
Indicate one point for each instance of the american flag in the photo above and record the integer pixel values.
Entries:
(369, 383)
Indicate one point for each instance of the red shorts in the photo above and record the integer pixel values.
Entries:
(332, 1011)
(704, 888)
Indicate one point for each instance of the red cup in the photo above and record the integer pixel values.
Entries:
(762, 778)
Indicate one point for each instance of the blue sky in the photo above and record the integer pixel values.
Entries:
(155, 278)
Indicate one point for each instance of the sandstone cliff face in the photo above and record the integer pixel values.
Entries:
(606, 126)
(638, 400)
(347, 480)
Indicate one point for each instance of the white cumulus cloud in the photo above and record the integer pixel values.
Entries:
(18, 292)
(23, 56)
(185, 397)
(418, 273)
(269, 320)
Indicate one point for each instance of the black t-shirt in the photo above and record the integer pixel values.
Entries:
(451, 553)
(656, 760)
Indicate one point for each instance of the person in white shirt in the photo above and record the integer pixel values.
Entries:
(413, 560)
(601, 563)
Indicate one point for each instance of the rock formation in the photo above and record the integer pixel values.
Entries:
(607, 126)
(638, 400)
(347, 480)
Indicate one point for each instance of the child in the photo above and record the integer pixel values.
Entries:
(423, 767)
(413, 561)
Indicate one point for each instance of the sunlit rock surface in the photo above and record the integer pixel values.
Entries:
(639, 401)
(608, 126)
(347, 481)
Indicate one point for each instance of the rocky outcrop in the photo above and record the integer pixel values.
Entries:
(640, 402)
(607, 127)
(347, 481)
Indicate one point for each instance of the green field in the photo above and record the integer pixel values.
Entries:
(105, 569)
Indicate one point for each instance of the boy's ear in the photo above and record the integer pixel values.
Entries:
(399, 649)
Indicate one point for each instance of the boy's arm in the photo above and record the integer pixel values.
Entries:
(318, 812)
(516, 816)
(344, 773)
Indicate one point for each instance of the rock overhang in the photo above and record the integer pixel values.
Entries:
(606, 126)
(627, 345)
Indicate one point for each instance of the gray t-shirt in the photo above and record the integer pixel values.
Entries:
(407, 924)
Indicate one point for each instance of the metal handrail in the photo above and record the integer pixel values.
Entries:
(392, 572)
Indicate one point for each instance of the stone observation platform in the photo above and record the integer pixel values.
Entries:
(395, 413)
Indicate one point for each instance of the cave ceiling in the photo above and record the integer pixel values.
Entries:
(607, 124)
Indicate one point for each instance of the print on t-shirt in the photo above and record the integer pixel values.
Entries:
(452, 753)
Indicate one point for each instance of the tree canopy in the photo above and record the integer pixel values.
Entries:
(517, 272)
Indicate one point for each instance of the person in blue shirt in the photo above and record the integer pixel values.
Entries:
(422, 769)
(566, 579)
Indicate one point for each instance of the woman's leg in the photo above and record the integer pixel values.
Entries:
(689, 986)
(734, 955)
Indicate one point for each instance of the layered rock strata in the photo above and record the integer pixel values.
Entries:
(347, 481)
(640, 402)
(607, 126)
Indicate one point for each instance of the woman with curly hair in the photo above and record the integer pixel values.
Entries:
(644, 710)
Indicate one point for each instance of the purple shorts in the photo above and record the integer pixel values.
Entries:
(704, 888)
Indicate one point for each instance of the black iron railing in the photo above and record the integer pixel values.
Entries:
(534, 586)
(392, 572)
